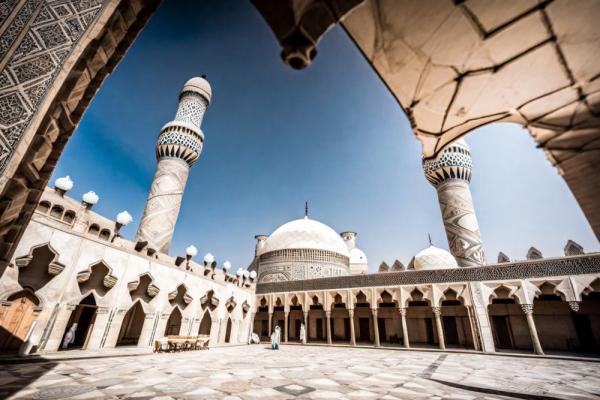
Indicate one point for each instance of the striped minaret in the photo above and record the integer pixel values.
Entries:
(450, 174)
(178, 146)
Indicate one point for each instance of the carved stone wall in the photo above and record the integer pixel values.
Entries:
(55, 55)
(300, 264)
(162, 208)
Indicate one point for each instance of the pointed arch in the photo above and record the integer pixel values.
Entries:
(205, 324)
(173, 326)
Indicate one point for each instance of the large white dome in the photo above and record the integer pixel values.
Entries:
(305, 233)
(434, 258)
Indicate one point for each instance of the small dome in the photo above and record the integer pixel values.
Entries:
(226, 265)
(64, 183)
(434, 258)
(198, 85)
(357, 256)
(305, 233)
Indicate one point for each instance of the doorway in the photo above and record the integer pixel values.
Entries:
(205, 324)
(132, 325)
(228, 331)
(503, 332)
(429, 330)
(363, 332)
(319, 328)
(450, 330)
(17, 320)
(174, 323)
(381, 329)
(84, 316)
(585, 334)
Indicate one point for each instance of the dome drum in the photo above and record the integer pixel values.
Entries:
(302, 249)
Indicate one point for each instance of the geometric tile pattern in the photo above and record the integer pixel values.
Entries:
(40, 36)
(301, 372)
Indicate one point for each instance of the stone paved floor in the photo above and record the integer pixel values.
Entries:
(296, 372)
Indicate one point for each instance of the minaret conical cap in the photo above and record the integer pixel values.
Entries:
(198, 85)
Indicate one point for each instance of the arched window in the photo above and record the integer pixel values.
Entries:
(105, 234)
(94, 229)
(57, 212)
(43, 207)
(69, 217)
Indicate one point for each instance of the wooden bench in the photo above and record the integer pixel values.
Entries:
(174, 343)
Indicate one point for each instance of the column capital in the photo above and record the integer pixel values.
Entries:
(328, 314)
(437, 311)
(403, 311)
(574, 305)
(374, 311)
(527, 308)
(350, 311)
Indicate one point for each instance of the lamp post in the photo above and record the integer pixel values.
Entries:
(123, 219)
(63, 185)
(190, 252)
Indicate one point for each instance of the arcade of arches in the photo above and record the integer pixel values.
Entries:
(530, 316)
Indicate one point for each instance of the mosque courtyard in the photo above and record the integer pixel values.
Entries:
(297, 372)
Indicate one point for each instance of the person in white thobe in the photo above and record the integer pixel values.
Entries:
(302, 333)
(276, 338)
(69, 336)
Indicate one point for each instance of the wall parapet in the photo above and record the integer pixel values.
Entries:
(548, 267)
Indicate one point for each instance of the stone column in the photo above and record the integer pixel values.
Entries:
(179, 145)
(285, 327)
(473, 328)
(251, 327)
(375, 327)
(270, 323)
(305, 327)
(328, 321)
(437, 312)
(404, 327)
(528, 311)
(352, 331)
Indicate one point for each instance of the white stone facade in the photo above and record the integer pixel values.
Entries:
(84, 262)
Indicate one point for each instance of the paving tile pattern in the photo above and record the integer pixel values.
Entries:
(297, 372)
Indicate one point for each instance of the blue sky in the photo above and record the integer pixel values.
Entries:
(274, 137)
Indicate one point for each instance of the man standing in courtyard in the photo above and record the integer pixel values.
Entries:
(302, 334)
(276, 338)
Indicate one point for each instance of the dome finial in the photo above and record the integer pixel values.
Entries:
(429, 236)
(306, 209)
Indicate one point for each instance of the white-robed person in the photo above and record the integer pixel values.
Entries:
(276, 338)
(69, 336)
(302, 333)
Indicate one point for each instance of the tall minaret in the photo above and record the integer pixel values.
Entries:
(450, 174)
(178, 146)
